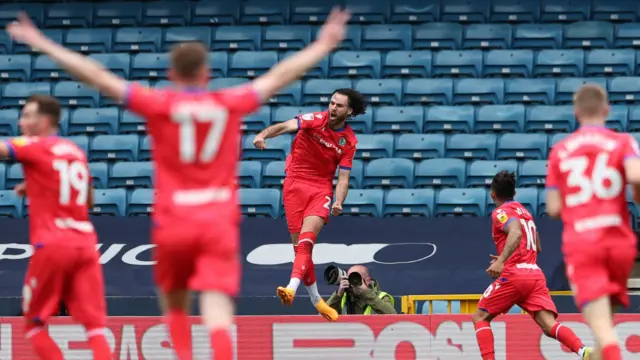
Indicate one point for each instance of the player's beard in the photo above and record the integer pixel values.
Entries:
(337, 120)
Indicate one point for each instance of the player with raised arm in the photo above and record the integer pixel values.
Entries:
(587, 175)
(196, 136)
(324, 143)
(519, 280)
(65, 265)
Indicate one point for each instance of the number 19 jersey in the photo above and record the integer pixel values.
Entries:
(587, 168)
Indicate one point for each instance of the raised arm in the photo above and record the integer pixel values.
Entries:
(273, 131)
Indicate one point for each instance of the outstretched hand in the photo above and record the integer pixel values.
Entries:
(25, 31)
(335, 28)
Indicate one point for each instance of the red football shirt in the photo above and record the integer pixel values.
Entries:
(587, 168)
(196, 145)
(317, 150)
(522, 263)
(58, 186)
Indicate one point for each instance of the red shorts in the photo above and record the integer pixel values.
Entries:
(594, 272)
(67, 274)
(302, 199)
(198, 257)
(531, 295)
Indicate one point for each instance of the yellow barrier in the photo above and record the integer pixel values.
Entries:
(468, 302)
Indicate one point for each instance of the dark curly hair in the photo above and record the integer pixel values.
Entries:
(357, 102)
(504, 185)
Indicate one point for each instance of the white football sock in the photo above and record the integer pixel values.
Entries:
(314, 294)
(293, 284)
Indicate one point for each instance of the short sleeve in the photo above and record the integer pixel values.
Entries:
(23, 149)
(631, 149)
(143, 101)
(502, 217)
(553, 172)
(346, 162)
(242, 99)
(310, 120)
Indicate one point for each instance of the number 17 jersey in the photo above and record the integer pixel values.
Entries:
(587, 168)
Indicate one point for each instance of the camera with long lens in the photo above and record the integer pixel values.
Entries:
(333, 275)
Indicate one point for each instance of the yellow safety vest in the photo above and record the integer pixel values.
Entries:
(367, 310)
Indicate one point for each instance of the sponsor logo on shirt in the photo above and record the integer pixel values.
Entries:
(502, 217)
(21, 141)
(326, 143)
(307, 117)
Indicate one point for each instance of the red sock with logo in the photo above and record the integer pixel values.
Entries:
(180, 332)
(99, 345)
(566, 337)
(611, 352)
(484, 335)
(221, 345)
(303, 256)
(43, 345)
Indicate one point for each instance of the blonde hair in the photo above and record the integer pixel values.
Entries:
(590, 100)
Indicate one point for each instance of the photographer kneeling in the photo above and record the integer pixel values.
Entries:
(358, 293)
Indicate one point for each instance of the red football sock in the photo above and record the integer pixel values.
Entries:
(484, 335)
(566, 337)
(180, 332)
(221, 345)
(611, 352)
(43, 345)
(99, 345)
(303, 256)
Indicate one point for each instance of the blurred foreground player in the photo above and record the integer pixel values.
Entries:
(196, 135)
(324, 143)
(65, 265)
(519, 280)
(587, 175)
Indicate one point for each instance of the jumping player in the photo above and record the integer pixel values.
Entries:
(324, 143)
(196, 134)
(519, 280)
(65, 265)
(587, 175)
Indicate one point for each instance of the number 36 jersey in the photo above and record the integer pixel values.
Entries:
(587, 168)
(195, 148)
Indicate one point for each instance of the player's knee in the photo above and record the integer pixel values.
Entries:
(312, 224)
(480, 315)
(217, 310)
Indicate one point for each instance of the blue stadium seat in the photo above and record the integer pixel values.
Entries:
(218, 63)
(176, 35)
(374, 146)
(471, 146)
(537, 36)
(277, 148)
(63, 124)
(11, 205)
(94, 121)
(396, 119)
(558, 63)
(533, 173)
(437, 36)
(144, 153)
(478, 91)
(260, 202)
(286, 37)
(75, 94)
(284, 113)
(117, 63)
(89, 40)
(624, 90)
(368, 12)
(131, 174)
(555, 138)
(409, 202)
(528, 197)
(542, 203)
(112, 202)
(68, 15)
(141, 202)
(481, 172)
(418, 146)
(99, 174)
(249, 173)
(82, 142)
(355, 64)
(566, 87)
(522, 147)
(546, 118)
(618, 118)
(500, 118)
(114, 148)
(634, 118)
(428, 92)
(352, 40)
(257, 121)
(223, 83)
(588, 34)
(113, 14)
(215, 13)
(14, 175)
(451, 119)
(487, 36)
(251, 63)
(464, 11)
(237, 38)
(406, 64)
(386, 37)
(362, 124)
(381, 92)
(626, 35)
(461, 202)
(151, 66)
(15, 67)
(165, 13)
(414, 11)
(560, 11)
(449, 63)
(318, 91)
(508, 63)
(388, 173)
(14, 95)
(363, 203)
(131, 123)
(507, 11)
(355, 176)
(259, 12)
(311, 11)
(273, 175)
(45, 69)
(6, 44)
(106, 101)
(438, 173)
(614, 10)
(9, 12)
(137, 40)
(610, 62)
(321, 70)
(530, 91)
(633, 207)
(8, 123)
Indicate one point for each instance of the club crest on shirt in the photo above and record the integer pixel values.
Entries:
(502, 217)
(21, 141)
(342, 141)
